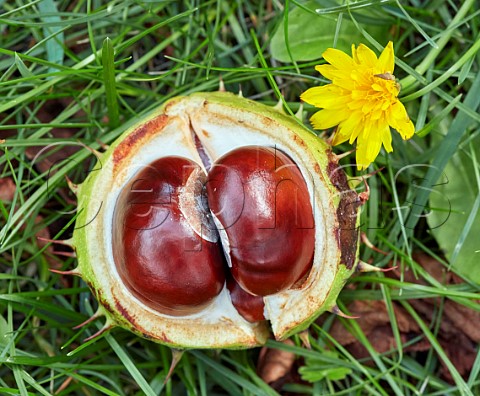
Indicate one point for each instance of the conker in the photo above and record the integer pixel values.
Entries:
(165, 250)
(262, 202)
(249, 306)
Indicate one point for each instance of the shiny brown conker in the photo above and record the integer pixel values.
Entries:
(249, 306)
(165, 250)
(262, 204)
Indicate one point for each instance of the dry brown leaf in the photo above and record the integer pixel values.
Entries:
(7, 189)
(462, 353)
(464, 318)
(274, 364)
(375, 323)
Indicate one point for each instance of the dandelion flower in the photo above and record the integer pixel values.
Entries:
(362, 101)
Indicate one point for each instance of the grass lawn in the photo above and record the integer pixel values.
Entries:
(74, 75)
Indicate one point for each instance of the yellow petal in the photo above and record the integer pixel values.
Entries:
(327, 96)
(341, 135)
(368, 146)
(405, 129)
(325, 119)
(386, 136)
(358, 126)
(366, 129)
(359, 94)
(366, 56)
(332, 73)
(335, 102)
(338, 58)
(398, 119)
(352, 126)
(368, 106)
(355, 105)
(346, 83)
(377, 113)
(386, 62)
(354, 54)
(312, 95)
(362, 157)
(327, 71)
(338, 77)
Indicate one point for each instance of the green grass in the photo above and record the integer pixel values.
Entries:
(92, 68)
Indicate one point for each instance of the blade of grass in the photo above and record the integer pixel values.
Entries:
(444, 153)
(227, 373)
(470, 53)
(130, 365)
(409, 81)
(438, 118)
(49, 14)
(285, 32)
(416, 26)
(108, 63)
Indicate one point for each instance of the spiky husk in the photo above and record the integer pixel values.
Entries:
(221, 121)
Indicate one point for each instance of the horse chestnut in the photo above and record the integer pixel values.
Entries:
(213, 222)
(262, 203)
(163, 244)
(249, 306)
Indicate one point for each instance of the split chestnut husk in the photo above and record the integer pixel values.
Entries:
(215, 222)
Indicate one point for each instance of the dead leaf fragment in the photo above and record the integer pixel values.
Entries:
(375, 323)
(7, 189)
(274, 364)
